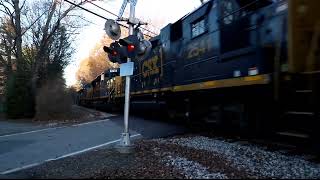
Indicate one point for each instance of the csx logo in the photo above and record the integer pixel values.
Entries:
(149, 67)
(198, 48)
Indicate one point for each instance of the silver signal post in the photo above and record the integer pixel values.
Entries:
(113, 30)
(125, 138)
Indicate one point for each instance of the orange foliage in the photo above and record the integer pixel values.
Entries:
(95, 64)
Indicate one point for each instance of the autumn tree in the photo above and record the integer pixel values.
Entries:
(95, 64)
(36, 39)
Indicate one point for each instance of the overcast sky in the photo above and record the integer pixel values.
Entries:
(158, 11)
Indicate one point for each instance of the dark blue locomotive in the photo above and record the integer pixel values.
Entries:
(226, 62)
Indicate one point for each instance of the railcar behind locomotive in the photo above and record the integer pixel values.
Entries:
(249, 64)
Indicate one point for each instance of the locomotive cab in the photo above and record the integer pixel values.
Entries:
(238, 22)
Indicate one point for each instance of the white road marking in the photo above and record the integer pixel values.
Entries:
(48, 129)
(20, 168)
(63, 156)
(89, 149)
(93, 122)
(30, 132)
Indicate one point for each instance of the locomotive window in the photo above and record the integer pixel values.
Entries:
(176, 31)
(199, 27)
(228, 11)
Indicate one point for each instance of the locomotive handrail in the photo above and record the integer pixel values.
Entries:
(201, 61)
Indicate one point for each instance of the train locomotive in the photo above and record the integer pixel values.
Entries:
(247, 64)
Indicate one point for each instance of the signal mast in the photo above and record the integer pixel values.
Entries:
(125, 51)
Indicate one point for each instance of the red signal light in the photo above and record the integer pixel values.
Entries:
(131, 47)
(114, 53)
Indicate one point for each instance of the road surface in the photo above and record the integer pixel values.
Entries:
(27, 149)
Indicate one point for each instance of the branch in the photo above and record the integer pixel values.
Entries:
(82, 18)
(2, 61)
(6, 9)
(32, 24)
(63, 15)
(23, 4)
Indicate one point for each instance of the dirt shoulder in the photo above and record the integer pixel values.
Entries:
(79, 115)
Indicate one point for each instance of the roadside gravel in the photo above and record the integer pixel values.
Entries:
(104, 163)
(186, 157)
(251, 158)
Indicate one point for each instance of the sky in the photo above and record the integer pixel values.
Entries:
(161, 12)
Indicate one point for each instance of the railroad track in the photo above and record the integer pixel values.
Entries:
(287, 144)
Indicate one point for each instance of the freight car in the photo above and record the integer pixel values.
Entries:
(247, 64)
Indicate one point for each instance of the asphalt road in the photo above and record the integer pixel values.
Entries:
(13, 127)
(29, 149)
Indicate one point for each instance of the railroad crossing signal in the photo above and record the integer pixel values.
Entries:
(129, 47)
(144, 50)
(112, 29)
(115, 53)
(134, 2)
(135, 48)
(131, 44)
(124, 5)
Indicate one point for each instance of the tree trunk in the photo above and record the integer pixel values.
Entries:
(43, 45)
(18, 34)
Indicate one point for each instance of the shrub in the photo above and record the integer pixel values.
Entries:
(53, 101)
(19, 98)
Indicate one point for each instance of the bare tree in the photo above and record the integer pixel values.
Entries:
(6, 44)
(35, 34)
(56, 18)
(12, 34)
(48, 19)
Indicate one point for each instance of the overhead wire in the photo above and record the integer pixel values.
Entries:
(103, 9)
(98, 15)
(118, 16)
(86, 9)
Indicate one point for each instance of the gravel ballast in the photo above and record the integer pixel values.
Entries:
(191, 169)
(252, 158)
